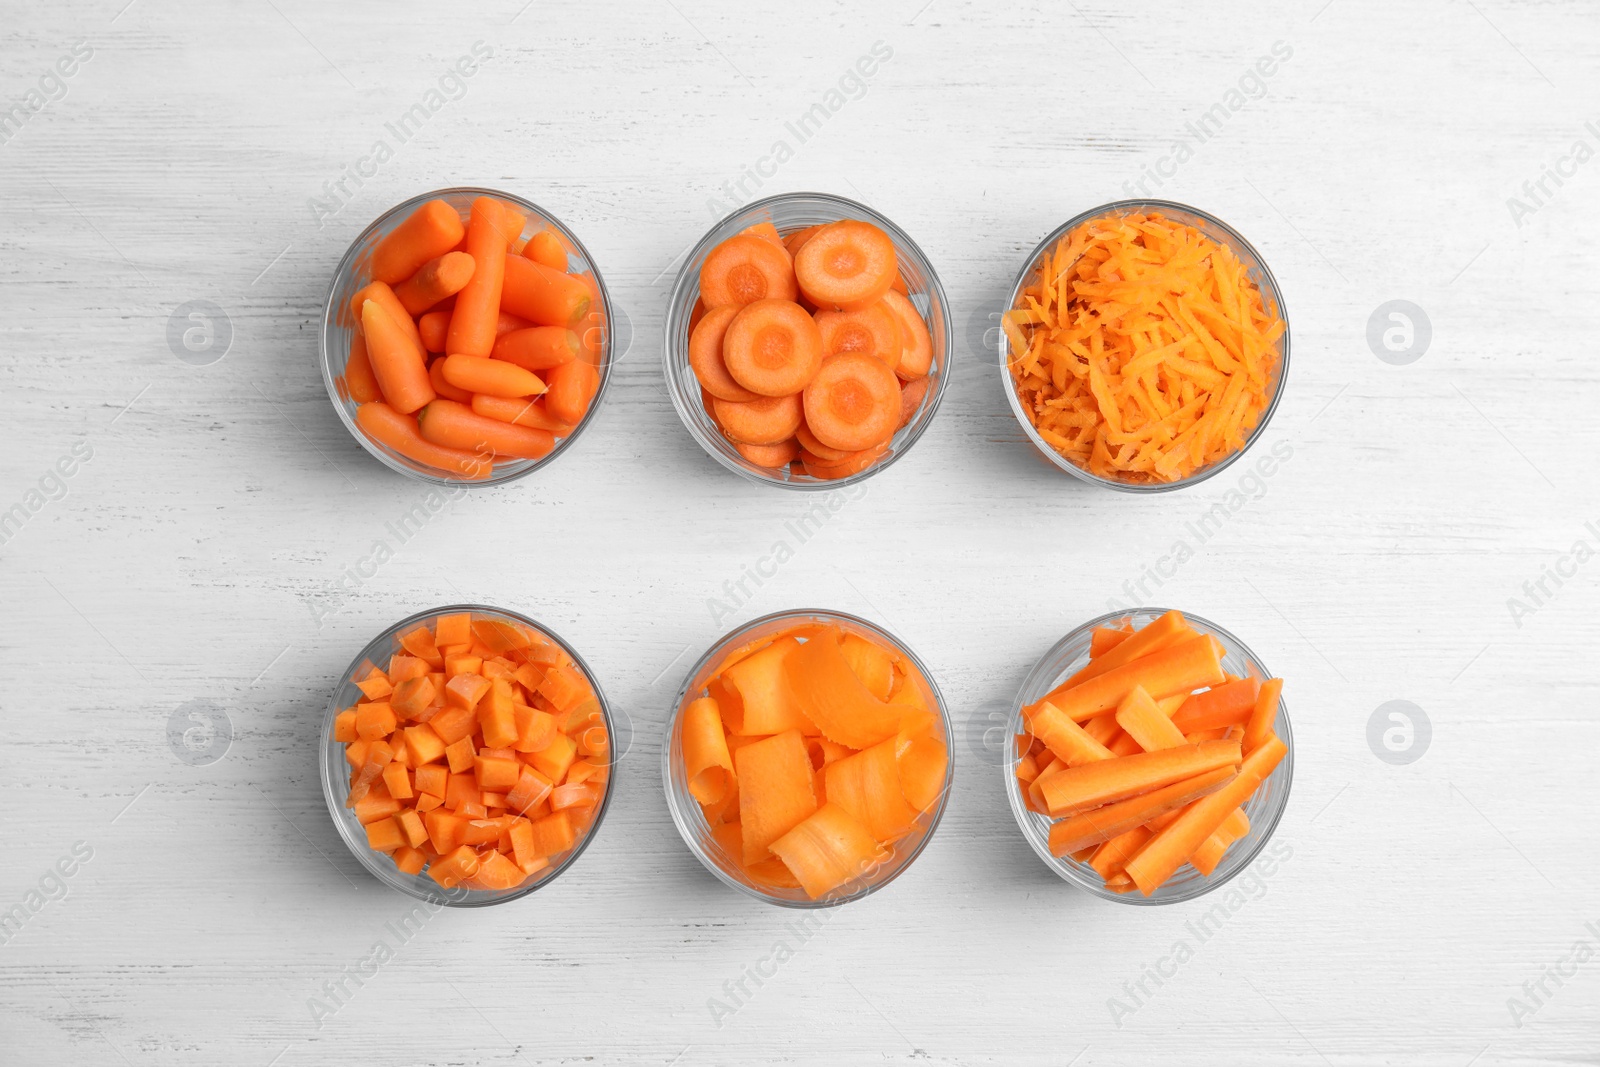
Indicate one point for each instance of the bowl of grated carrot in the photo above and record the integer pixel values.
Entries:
(807, 342)
(807, 760)
(1152, 758)
(1145, 346)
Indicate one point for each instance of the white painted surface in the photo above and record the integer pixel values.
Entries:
(223, 502)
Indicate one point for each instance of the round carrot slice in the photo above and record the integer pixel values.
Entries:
(768, 420)
(779, 455)
(846, 264)
(705, 355)
(911, 395)
(798, 238)
(746, 268)
(809, 442)
(772, 347)
(873, 330)
(916, 358)
(853, 463)
(853, 402)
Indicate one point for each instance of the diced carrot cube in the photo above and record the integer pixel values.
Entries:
(344, 726)
(473, 811)
(586, 770)
(355, 753)
(555, 758)
(375, 686)
(426, 802)
(497, 774)
(419, 643)
(500, 636)
(432, 778)
(530, 676)
(552, 834)
(444, 829)
(453, 630)
(411, 696)
(521, 834)
(494, 800)
(424, 744)
(563, 687)
(377, 804)
(465, 690)
(495, 872)
(454, 665)
(410, 860)
(480, 832)
(531, 789)
(454, 723)
(374, 721)
(499, 668)
(460, 756)
(403, 667)
(411, 825)
(535, 728)
(571, 795)
(398, 781)
(452, 869)
(385, 835)
(497, 716)
(462, 789)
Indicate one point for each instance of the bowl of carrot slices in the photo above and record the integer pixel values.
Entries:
(808, 759)
(466, 337)
(1144, 346)
(466, 756)
(1153, 757)
(807, 341)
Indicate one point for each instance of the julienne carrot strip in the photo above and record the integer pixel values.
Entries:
(1065, 738)
(1224, 705)
(1210, 853)
(1105, 638)
(396, 360)
(1146, 723)
(1179, 668)
(434, 281)
(399, 431)
(1075, 789)
(1262, 716)
(1110, 820)
(472, 324)
(430, 231)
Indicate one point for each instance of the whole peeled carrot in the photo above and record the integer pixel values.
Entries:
(453, 425)
(543, 296)
(397, 360)
(431, 230)
(389, 427)
(436, 279)
(478, 303)
(477, 374)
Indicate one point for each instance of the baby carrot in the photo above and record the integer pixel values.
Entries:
(435, 280)
(543, 296)
(359, 380)
(434, 329)
(399, 432)
(478, 374)
(472, 323)
(521, 411)
(504, 324)
(386, 299)
(431, 230)
(453, 425)
(572, 387)
(443, 388)
(545, 247)
(396, 360)
(537, 347)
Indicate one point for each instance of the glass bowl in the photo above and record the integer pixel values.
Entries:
(1264, 809)
(790, 212)
(338, 328)
(336, 771)
(691, 820)
(1217, 230)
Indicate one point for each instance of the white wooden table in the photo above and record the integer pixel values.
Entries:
(191, 560)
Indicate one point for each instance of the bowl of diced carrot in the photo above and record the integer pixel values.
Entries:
(808, 759)
(1152, 757)
(466, 337)
(807, 343)
(1145, 346)
(466, 756)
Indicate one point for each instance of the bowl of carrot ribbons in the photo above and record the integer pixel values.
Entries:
(1152, 757)
(466, 337)
(808, 759)
(1144, 346)
(807, 341)
(466, 756)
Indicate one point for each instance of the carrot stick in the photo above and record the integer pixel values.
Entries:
(431, 230)
(360, 382)
(396, 360)
(482, 375)
(1178, 668)
(1105, 638)
(522, 411)
(1113, 855)
(1166, 630)
(1222, 705)
(389, 427)
(1263, 715)
(472, 324)
(1210, 853)
(543, 296)
(1065, 738)
(1108, 821)
(436, 279)
(545, 247)
(538, 347)
(1146, 723)
(1172, 847)
(1075, 789)
(454, 425)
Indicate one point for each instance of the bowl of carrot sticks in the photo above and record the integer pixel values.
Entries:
(808, 759)
(807, 342)
(466, 756)
(1152, 757)
(1144, 346)
(466, 337)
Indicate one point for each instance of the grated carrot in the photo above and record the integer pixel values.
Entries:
(1142, 350)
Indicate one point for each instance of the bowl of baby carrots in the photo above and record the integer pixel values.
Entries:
(807, 343)
(807, 760)
(466, 337)
(466, 756)
(1152, 757)
(1144, 346)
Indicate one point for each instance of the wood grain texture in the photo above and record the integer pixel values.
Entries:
(196, 554)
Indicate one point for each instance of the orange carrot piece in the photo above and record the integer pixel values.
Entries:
(454, 425)
(537, 348)
(873, 331)
(1211, 851)
(1074, 789)
(916, 357)
(852, 463)
(1166, 630)
(764, 705)
(1222, 705)
(442, 387)
(1146, 723)
(431, 230)
(520, 410)
(795, 240)
(572, 388)
(360, 383)
(472, 323)
(820, 451)
(767, 420)
(867, 785)
(541, 295)
(772, 347)
(775, 790)
(1110, 820)
(827, 850)
(434, 330)
(846, 264)
(397, 361)
(829, 694)
(1263, 715)
(1105, 638)
(480, 374)
(389, 427)
(1065, 738)
(1178, 668)
(707, 762)
(853, 402)
(746, 268)
(436, 279)
(1113, 855)
(924, 762)
(705, 355)
(911, 397)
(767, 232)
(773, 457)
(545, 248)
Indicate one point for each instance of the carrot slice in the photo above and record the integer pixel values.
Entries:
(867, 785)
(1075, 789)
(828, 849)
(746, 268)
(846, 264)
(520, 410)
(705, 355)
(537, 348)
(436, 279)
(775, 791)
(454, 425)
(828, 693)
(472, 323)
(1263, 715)
(1146, 723)
(1178, 668)
(768, 420)
(853, 402)
(852, 463)
(818, 450)
(399, 431)
(916, 358)
(705, 752)
(767, 232)
(772, 347)
(1111, 820)
(795, 240)
(432, 230)
(911, 396)
(873, 331)
(360, 384)
(397, 361)
(773, 456)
